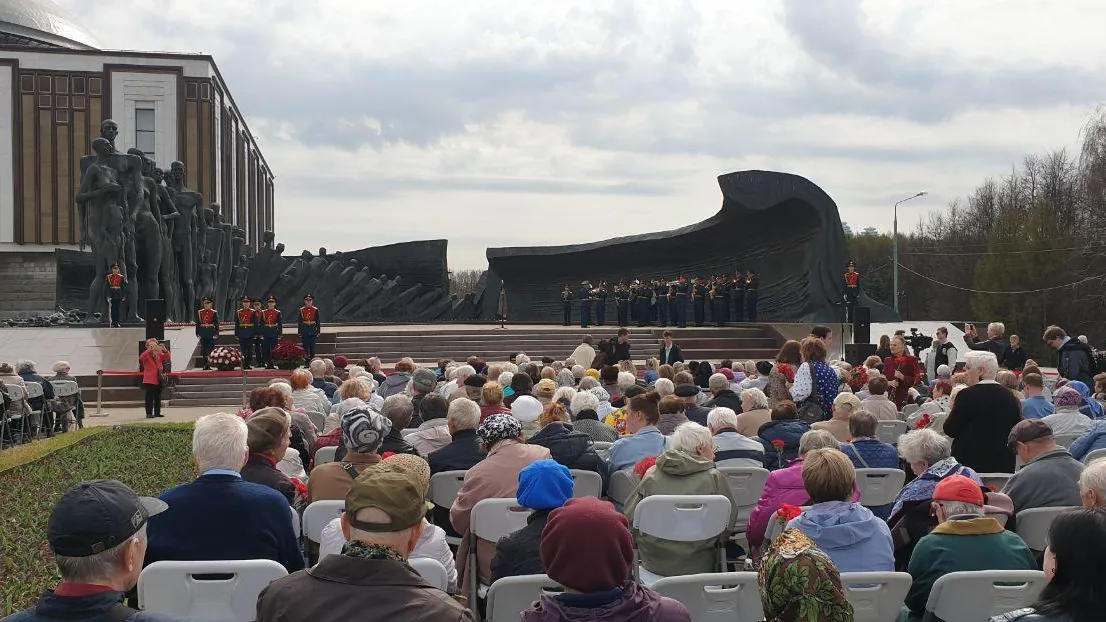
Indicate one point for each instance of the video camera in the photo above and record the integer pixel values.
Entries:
(918, 341)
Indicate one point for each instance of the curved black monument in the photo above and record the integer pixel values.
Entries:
(782, 226)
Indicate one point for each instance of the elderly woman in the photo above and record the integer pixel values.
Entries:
(153, 364)
(780, 436)
(754, 412)
(567, 446)
(815, 375)
(400, 378)
(783, 373)
(854, 538)
(583, 409)
(491, 400)
(544, 390)
(310, 399)
(61, 372)
(929, 455)
(685, 468)
(940, 403)
(269, 435)
(798, 582)
(902, 371)
(303, 433)
(1009, 380)
(1068, 419)
(362, 432)
(565, 378)
(672, 414)
(357, 387)
(732, 449)
(864, 447)
(786, 485)
(564, 395)
(495, 477)
(843, 408)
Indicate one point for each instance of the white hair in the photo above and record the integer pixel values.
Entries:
(463, 414)
(24, 366)
(600, 394)
(61, 366)
(664, 387)
(100, 567)
(464, 371)
(924, 445)
(959, 508)
(750, 367)
(721, 417)
(996, 328)
(817, 439)
(564, 393)
(583, 400)
(626, 380)
(578, 371)
(984, 361)
(219, 442)
(283, 387)
(759, 399)
(511, 367)
(505, 379)
(587, 383)
(522, 359)
(689, 437)
(737, 366)
(317, 367)
(1094, 478)
(717, 382)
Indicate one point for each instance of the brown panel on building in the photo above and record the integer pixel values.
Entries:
(46, 179)
(240, 169)
(206, 181)
(29, 162)
(82, 145)
(191, 143)
(95, 115)
(64, 185)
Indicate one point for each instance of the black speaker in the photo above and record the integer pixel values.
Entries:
(155, 318)
(862, 324)
(857, 353)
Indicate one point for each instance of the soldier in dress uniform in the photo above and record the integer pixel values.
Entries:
(245, 327)
(257, 338)
(566, 304)
(117, 294)
(670, 302)
(699, 301)
(643, 298)
(309, 325)
(739, 296)
(660, 306)
(207, 329)
(622, 303)
(752, 284)
(719, 300)
(851, 282)
(272, 325)
(601, 304)
(682, 293)
(586, 298)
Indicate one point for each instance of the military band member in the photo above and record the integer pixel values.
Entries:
(643, 294)
(699, 301)
(566, 304)
(207, 329)
(309, 325)
(272, 325)
(117, 294)
(622, 303)
(719, 301)
(586, 298)
(683, 295)
(245, 327)
(852, 290)
(660, 304)
(257, 338)
(752, 285)
(739, 296)
(670, 302)
(601, 304)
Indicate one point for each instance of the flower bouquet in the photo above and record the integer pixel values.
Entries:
(788, 371)
(225, 358)
(923, 422)
(858, 378)
(289, 355)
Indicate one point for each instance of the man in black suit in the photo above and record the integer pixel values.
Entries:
(670, 353)
(618, 348)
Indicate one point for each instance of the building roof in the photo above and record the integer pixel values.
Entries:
(41, 23)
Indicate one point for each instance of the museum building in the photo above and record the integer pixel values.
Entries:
(56, 86)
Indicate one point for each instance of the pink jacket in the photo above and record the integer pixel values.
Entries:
(783, 486)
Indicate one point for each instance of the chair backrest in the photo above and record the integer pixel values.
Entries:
(995, 480)
(408, 431)
(910, 409)
(491, 519)
(317, 418)
(1094, 455)
(65, 388)
(295, 522)
(683, 518)
(1033, 525)
(431, 570)
(444, 487)
(890, 431)
(510, 596)
(746, 483)
(1065, 440)
(172, 588)
(586, 483)
(879, 486)
(601, 445)
(34, 389)
(325, 454)
(715, 596)
(15, 392)
(621, 485)
(318, 515)
(978, 595)
(876, 596)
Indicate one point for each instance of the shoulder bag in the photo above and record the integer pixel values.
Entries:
(812, 409)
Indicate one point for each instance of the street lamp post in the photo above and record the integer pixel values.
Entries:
(895, 246)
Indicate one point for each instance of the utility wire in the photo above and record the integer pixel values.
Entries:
(984, 291)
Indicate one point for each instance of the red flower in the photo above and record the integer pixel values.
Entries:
(787, 370)
(778, 444)
(923, 422)
(644, 465)
(300, 486)
(788, 512)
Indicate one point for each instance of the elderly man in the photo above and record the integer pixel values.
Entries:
(433, 433)
(458, 385)
(463, 451)
(754, 412)
(423, 383)
(219, 515)
(689, 393)
(317, 367)
(1076, 360)
(363, 430)
(1050, 477)
(1092, 485)
(965, 539)
(399, 410)
(723, 395)
(994, 344)
(731, 448)
(97, 532)
(371, 579)
(981, 418)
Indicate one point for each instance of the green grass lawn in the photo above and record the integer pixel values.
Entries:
(148, 458)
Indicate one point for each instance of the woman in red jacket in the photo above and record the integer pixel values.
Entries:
(152, 362)
(902, 371)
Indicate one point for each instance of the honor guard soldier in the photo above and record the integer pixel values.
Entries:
(117, 294)
(682, 292)
(309, 325)
(586, 296)
(752, 285)
(601, 304)
(738, 296)
(660, 291)
(699, 301)
(622, 304)
(245, 327)
(257, 339)
(643, 294)
(852, 290)
(207, 329)
(272, 325)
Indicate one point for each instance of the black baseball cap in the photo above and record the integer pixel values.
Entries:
(686, 390)
(97, 515)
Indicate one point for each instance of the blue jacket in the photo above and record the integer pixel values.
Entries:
(220, 517)
(629, 450)
(786, 430)
(1037, 407)
(854, 538)
(51, 608)
(876, 453)
(1092, 439)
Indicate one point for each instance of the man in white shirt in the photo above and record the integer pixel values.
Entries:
(942, 352)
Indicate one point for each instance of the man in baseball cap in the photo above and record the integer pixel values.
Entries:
(97, 531)
(965, 539)
(370, 580)
(1050, 477)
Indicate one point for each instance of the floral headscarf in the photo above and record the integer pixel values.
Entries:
(799, 583)
(498, 427)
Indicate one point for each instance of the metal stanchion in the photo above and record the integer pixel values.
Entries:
(245, 399)
(99, 394)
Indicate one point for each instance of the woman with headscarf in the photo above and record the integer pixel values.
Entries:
(799, 583)
(1069, 417)
(1091, 407)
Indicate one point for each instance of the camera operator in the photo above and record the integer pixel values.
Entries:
(994, 344)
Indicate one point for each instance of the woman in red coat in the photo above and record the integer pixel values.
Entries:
(152, 362)
(902, 371)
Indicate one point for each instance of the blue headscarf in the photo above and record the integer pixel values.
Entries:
(1097, 412)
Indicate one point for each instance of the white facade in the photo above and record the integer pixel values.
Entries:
(131, 91)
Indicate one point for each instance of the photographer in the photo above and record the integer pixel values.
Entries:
(994, 343)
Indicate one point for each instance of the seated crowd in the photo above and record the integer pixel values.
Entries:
(518, 429)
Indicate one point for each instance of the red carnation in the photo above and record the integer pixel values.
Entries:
(778, 444)
(923, 422)
(787, 370)
(644, 465)
(788, 512)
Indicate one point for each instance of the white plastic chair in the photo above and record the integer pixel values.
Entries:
(317, 418)
(295, 522)
(995, 480)
(621, 485)
(586, 483)
(1094, 455)
(510, 596)
(64, 388)
(909, 409)
(171, 588)
(746, 486)
(890, 431)
(325, 454)
(432, 571)
(879, 486)
(318, 515)
(408, 432)
(490, 520)
(444, 487)
(679, 518)
(876, 596)
(13, 422)
(716, 596)
(979, 595)
(1033, 524)
(1065, 440)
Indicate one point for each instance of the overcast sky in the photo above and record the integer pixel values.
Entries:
(505, 123)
